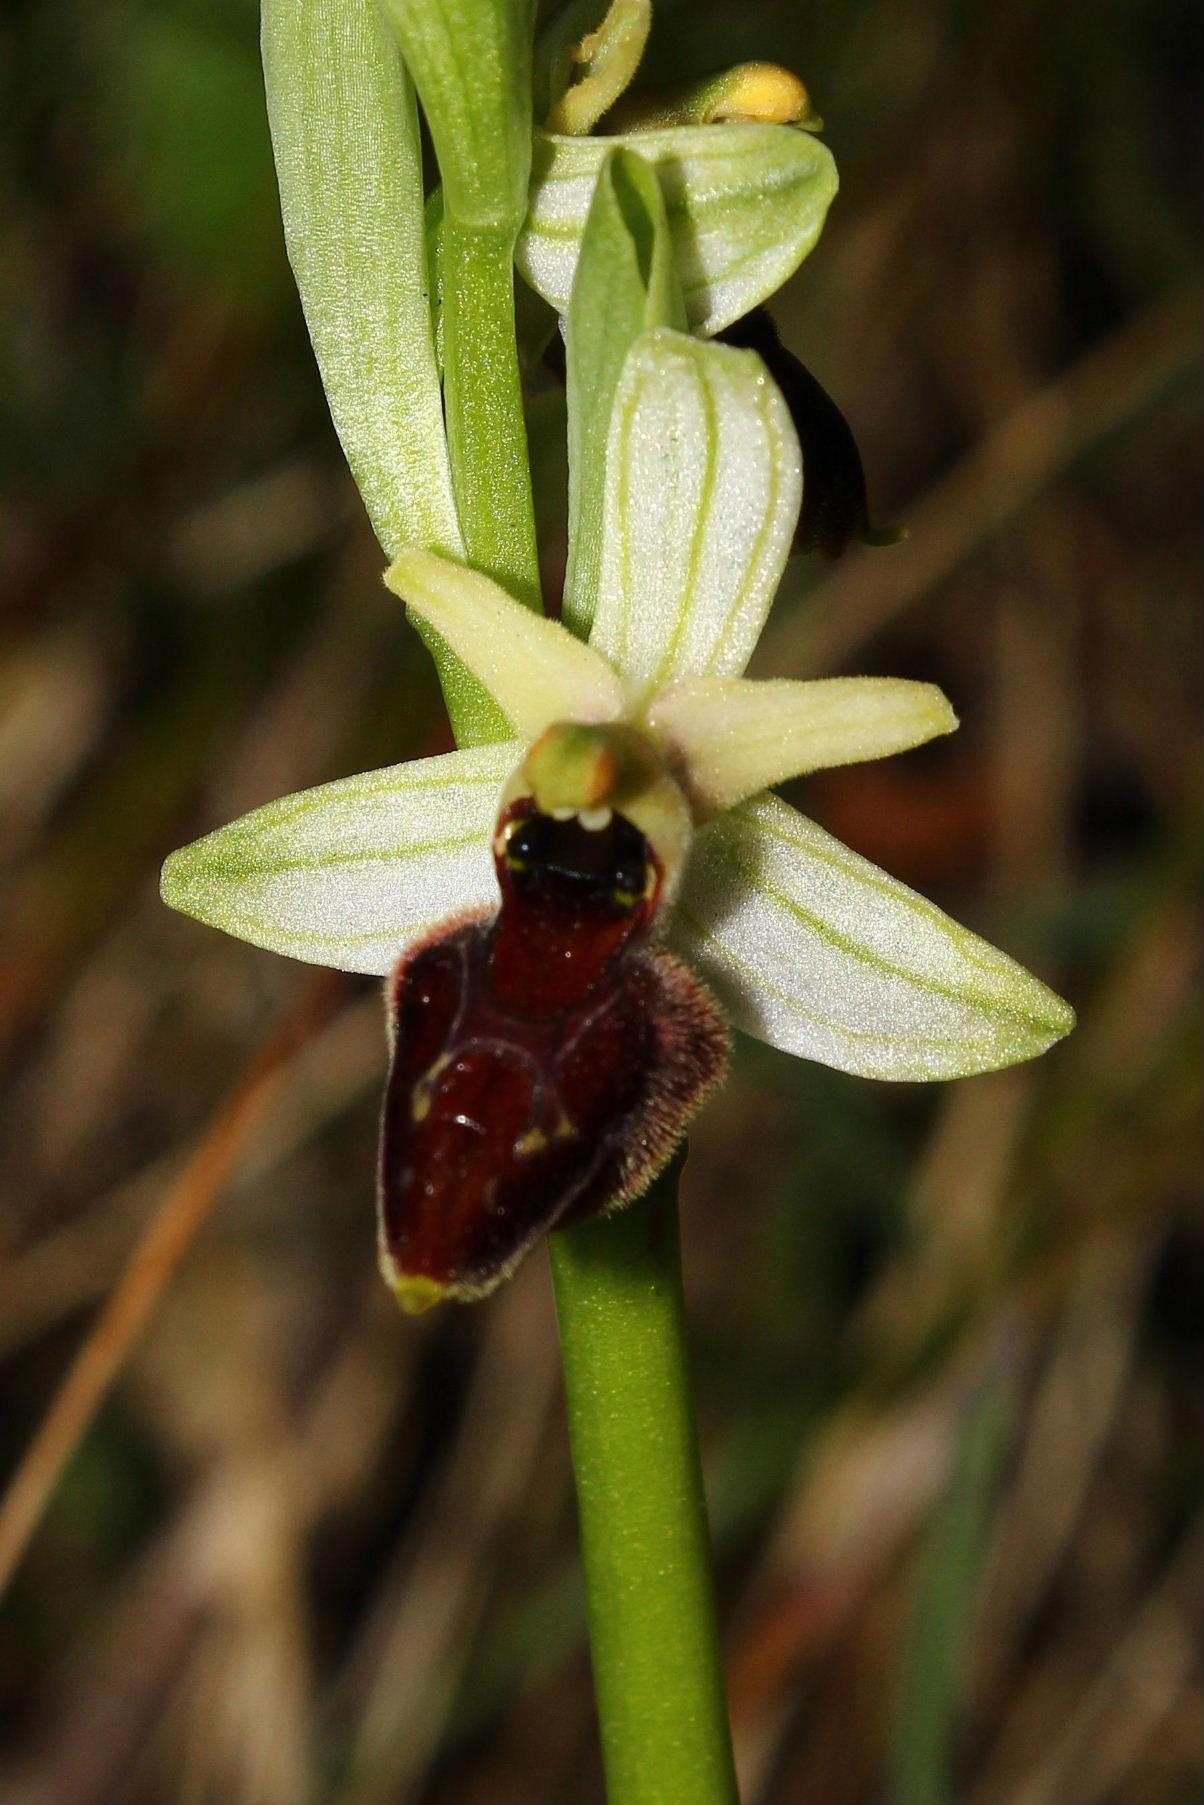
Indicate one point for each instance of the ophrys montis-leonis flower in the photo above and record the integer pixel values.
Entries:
(629, 823)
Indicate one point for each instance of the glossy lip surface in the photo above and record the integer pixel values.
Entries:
(546, 1060)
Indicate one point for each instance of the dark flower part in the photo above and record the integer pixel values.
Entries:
(835, 510)
(546, 1059)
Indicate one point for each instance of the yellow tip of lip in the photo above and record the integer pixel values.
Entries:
(417, 1295)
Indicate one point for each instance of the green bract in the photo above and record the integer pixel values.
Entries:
(809, 946)
(349, 163)
(471, 63)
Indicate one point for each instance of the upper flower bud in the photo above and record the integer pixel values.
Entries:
(749, 94)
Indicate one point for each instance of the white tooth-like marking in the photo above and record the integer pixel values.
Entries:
(563, 814)
(593, 820)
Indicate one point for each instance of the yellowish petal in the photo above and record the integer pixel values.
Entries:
(730, 736)
(606, 61)
(535, 669)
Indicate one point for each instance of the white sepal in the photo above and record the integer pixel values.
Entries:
(730, 737)
(746, 203)
(535, 669)
(349, 873)
(703, 485)
(819, 952)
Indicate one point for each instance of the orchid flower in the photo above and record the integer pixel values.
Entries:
(806, 945)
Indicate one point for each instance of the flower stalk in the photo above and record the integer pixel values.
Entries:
(657, 1671)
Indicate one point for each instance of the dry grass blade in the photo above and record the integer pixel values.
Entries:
(75, 1264)
(167, 1239)
(1114, 1718)
(1012, 466)
(413, 1652)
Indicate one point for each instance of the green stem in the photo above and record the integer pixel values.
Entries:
(661, 1707)
(483, 399)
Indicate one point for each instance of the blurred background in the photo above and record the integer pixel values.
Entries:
(948, 1339)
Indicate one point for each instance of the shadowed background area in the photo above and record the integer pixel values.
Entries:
(947, 1339)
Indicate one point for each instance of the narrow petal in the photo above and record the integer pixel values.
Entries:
(746, 204)
(818, 952)
(606, 60)
(703, 481)
(534, 668)
(348, 874)
(732, 737)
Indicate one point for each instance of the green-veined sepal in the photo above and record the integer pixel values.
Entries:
(348, 873)
(703, 484)
(820, 953)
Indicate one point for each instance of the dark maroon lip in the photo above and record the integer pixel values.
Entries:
(546, 1058)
